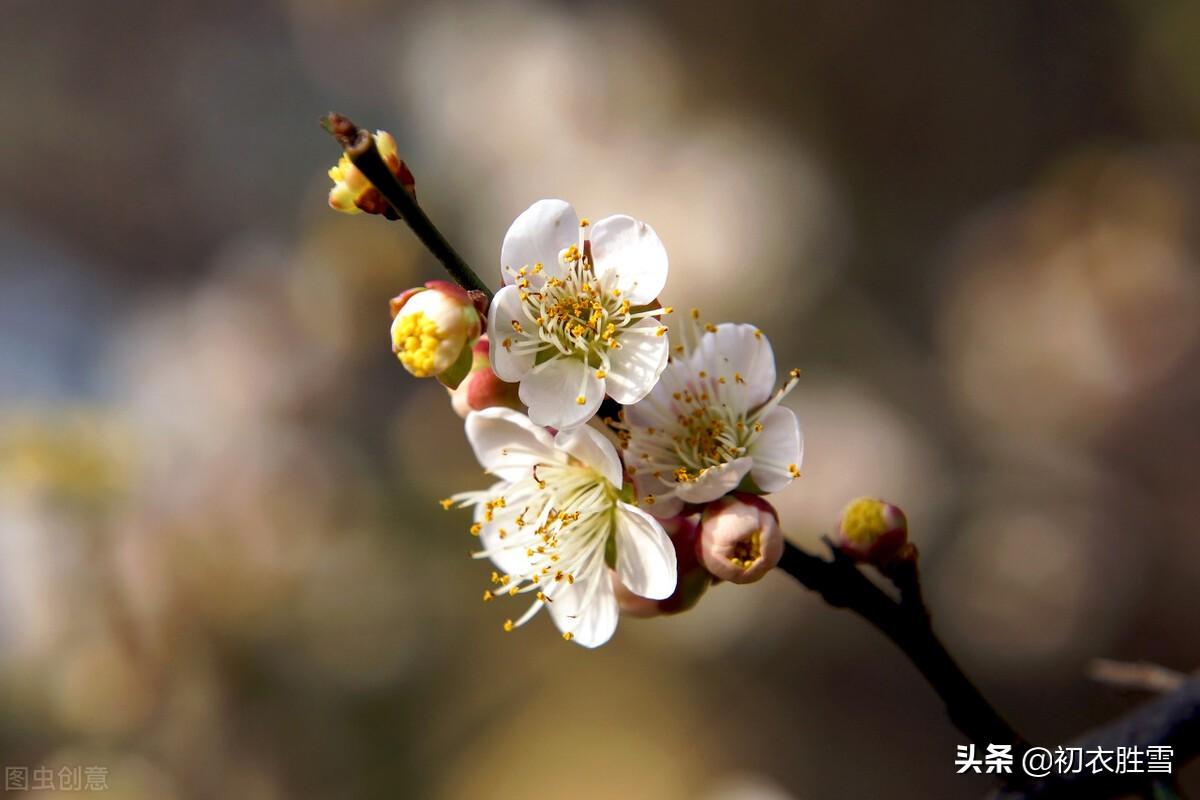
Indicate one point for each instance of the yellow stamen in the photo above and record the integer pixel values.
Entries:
(415, 340)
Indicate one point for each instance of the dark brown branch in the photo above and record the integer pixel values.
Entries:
(843, 585)
(905, 574)
(359, 146)
(1172, 720)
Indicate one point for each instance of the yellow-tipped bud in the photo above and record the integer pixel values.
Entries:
(872, 531)
(352, 193)
(433, 330)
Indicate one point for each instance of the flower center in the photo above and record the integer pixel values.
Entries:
(416, 341)
(707, 433)
(713, 423)
(575, 315)
(747, 551)
(708, 436)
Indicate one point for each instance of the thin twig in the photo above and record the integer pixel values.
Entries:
(359, 146)
(843, 585)
(1172, 720)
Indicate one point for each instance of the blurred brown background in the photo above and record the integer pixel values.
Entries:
(222, 570)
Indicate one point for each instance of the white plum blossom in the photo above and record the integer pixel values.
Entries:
(577, 317)
(711, 425)
(551, 521)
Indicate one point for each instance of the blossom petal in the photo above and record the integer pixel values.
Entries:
(341, 198)
(510, 363)
(587, 609)
(665, 505)
(589, 446)
(552, 391)
(645, 483)
(743, 351)
(716, 482)
(778, 448)
(656, 496)
(656, 409)
(507, 443)
(635, 367)
(537, 237)
(629, 256)
(645, 555)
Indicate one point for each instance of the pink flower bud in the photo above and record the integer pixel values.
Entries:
(481, 388)
(433, 329)
(872, 531)
(740, 539)
(693, 579)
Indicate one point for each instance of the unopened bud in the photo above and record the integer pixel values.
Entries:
(872, 531)
(740, 539)
(352, 193)
(692, 582)
(481, 388)
(433, 329)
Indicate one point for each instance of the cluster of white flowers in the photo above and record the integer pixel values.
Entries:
(631, 463)
(691, 434)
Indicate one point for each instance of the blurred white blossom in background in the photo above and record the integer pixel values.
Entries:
(737, 205)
